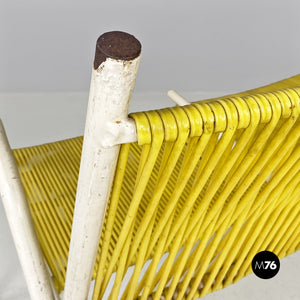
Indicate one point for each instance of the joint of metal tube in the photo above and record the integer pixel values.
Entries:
(118, 132)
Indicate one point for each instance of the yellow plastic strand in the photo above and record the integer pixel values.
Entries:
(206, 187)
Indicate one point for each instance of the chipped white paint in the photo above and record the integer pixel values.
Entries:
(178, 99)
(111, 88)
(19, 218)
(118, 132)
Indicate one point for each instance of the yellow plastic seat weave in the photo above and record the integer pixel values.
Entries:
(206, 187)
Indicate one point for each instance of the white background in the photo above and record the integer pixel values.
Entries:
(201, 48)
(191, 45)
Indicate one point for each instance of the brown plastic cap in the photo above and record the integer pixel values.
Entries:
(116, 45)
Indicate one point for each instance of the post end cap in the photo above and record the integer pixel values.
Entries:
(116, 45)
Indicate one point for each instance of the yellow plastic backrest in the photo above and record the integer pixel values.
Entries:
(206, 187)
(215, 183)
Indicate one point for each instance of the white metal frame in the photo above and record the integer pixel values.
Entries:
(178, 99)
(20, 222)
(107, 126)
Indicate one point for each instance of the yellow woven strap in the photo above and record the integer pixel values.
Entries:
(49, 175)
(209, 185)
(198, 172)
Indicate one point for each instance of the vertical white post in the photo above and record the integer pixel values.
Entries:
(19, 218)
(115, 67)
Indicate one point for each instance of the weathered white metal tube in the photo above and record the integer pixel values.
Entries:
(19, 218)
(115, 68)
(178, 99)
(117, 133)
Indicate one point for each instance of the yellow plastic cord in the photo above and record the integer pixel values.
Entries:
(206, 187)
(216, 205)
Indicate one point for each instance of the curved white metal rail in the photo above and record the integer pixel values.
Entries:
(20, 222)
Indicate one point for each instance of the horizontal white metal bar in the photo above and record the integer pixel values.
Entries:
(178, 99)
(119, 132)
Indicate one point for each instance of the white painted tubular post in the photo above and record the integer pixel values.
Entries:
(19, 218)
(115, 67)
